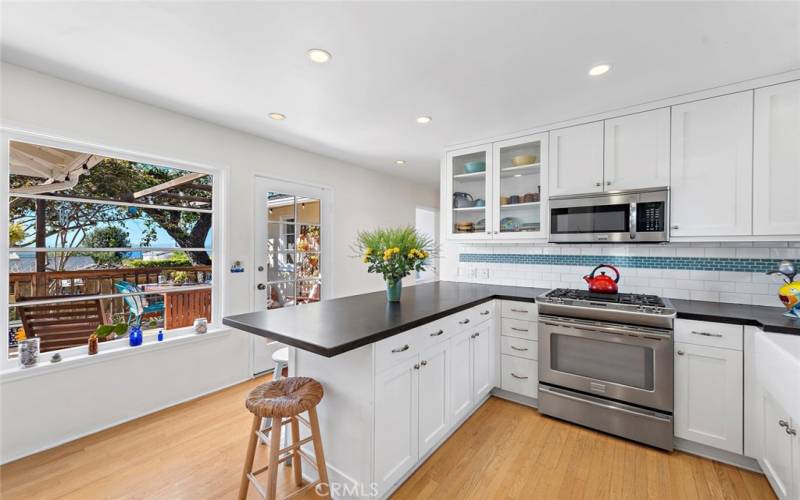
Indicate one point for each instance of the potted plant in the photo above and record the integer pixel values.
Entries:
(394, 253)
(110, 332)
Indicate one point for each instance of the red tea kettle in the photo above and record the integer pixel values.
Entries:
(602, 283)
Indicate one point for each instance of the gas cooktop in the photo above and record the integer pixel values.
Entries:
(649, 310)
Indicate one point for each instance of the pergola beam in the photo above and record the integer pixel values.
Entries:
(167, 185)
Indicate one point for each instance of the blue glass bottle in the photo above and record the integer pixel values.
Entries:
(135, 336)
(160, 335)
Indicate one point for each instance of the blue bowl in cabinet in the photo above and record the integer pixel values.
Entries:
(472, 167)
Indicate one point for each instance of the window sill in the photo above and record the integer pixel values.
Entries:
(176, 338)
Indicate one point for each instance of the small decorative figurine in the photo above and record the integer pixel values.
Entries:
(200, 325)
(56, 358)
(237, 267)
(94, 343)
(789, 293)
(28, 352)
(135, 336)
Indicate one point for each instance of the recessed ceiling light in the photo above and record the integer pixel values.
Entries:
(517, 175)
(424, 119)
(319, 56)
(600, 69)
(277, 116)
(400, 162)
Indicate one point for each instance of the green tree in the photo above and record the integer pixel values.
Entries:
(107, 237)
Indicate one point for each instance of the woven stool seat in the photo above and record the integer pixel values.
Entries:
(286, 397)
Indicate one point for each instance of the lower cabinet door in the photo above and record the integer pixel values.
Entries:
(776, 459)
(396, 422)
(481, 361)
(708, 396)
(460, 375)
(433, 403)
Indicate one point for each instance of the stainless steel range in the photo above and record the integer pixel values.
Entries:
(606, 362)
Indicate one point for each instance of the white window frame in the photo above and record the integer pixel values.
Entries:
(219, 252)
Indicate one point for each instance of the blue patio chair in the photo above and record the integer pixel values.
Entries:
(136, 306)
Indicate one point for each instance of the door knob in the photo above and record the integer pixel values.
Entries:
(681, 353)
(261, 286)
(423, 362)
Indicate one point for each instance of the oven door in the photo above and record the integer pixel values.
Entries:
(630, 364)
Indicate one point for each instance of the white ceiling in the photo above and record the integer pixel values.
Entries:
(479, 69)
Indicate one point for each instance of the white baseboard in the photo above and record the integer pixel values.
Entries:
(726, 457)
(515, 398)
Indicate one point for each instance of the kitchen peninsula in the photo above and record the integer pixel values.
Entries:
(400, 378)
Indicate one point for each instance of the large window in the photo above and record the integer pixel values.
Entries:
(95, 239)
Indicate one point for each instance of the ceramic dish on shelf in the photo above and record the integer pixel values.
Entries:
(530, 226)
(465, 227)
(520, 160)
(473, 167)
(509, 224)
(480, 225)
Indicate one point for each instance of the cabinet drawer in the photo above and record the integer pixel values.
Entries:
(435, 332)
(520, 329)
(519, 347)
(519, 375)
(391, 351)
(466, 318)
(484, 311)
(709, 334)
(519, 310)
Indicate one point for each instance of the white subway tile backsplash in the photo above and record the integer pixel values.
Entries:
(704, 275)
(735, 298)
(675, 293)
(720, 286)
(734, 276)
(690, 284)
(752, 253)
(766, 300)
(704, 295)
(759, 288)
(720, 253)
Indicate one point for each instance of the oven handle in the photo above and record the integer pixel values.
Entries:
(632, 220)
(595, 327)
(604, 405)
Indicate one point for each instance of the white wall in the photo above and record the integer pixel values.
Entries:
(40, 411)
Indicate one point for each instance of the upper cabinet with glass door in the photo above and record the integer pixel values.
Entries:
(520, 182)
(469, 176)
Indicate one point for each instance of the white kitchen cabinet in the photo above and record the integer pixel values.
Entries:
(519, 188)
(576, 160)
(637, 151)
(469, 190)
(712, 167)
(460, 375)
(778, 459)
(776, 160)
(433, 402)
(482, 361)
(708, 395)
(397, 422)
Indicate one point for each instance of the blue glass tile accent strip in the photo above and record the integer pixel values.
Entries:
(691, 263)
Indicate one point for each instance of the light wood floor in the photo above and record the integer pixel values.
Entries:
(195, 450)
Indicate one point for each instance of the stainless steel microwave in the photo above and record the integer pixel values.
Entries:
(622, 217)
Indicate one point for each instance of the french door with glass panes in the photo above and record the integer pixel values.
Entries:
(519, 202)
(288, 251)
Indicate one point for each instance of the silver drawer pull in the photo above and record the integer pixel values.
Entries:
(518, 376)
(423, 362)
(519, 310)
(484, 313)
(519, 348)
(791, 431)
(436, 334)
(519, 329)
(474, 335)
(707, 334)
(400, 349)
(783, 423)
(463, 321)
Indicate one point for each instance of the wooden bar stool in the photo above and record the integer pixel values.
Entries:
(283, 401)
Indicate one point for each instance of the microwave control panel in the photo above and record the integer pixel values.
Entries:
(650, 217)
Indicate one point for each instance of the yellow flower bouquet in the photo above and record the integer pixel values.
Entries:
(394, 253)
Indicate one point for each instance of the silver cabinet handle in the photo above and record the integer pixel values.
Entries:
(518, 376)
(519, 310)
(783, 423)
(681, 353)
(484, 313)
(598, 184)
(423, 362)
(436, 334)
(474, 335)
(261, 286)
(416, 366)
(519, 348)
(519, 329)
(707, 334)
(463, 321)
(608, 183)
(676, 226)
(400, 349)
(791, 431)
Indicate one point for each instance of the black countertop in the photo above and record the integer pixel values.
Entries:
(336, 326)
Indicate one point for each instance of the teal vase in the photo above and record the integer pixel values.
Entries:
(393, 291)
